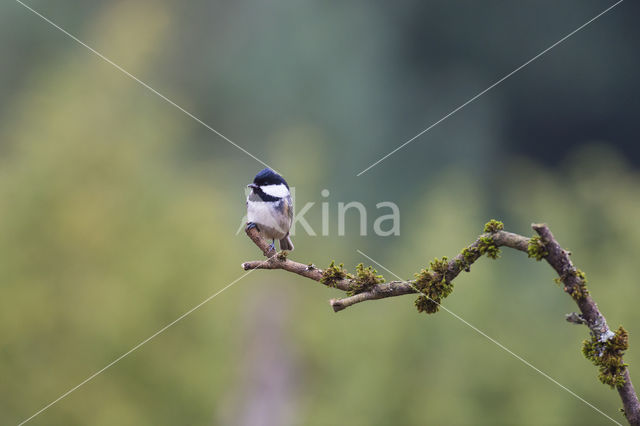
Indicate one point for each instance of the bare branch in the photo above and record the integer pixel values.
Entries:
(380, 291)
(267, 249)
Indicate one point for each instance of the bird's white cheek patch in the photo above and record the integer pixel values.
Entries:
(279, 190)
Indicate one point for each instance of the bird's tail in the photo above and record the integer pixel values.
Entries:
(286, 244)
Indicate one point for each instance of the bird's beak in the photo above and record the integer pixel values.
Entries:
(253, 186)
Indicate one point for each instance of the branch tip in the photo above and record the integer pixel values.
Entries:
(575, 318)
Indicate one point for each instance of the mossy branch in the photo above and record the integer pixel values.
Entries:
(605, 348)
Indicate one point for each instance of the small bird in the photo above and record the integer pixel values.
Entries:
(269, 208)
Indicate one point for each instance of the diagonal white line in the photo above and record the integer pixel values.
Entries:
(518, 357)
(145, 85)
(91, 377)
(491, 87)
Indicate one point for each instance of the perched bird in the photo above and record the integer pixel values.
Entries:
(269, 208)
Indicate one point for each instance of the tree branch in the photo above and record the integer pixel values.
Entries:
(605, 348)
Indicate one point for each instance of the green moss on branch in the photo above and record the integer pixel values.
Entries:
(364, 280)
(607, 356)
(433, 285)
(536, 248)
(333, 274)
(493, 226)
(579, 290)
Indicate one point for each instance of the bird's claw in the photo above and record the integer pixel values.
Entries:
(251, 225)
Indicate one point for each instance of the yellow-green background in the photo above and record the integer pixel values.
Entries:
(118, 213)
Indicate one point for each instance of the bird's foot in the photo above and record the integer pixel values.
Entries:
(272, 246)
(251, 225)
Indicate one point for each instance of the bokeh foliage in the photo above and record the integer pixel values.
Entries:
(118, 216)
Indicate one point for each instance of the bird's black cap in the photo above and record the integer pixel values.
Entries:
(269, 177)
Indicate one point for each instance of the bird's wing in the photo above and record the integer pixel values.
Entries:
(289, 205)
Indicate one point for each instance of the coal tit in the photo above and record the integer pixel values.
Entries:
(269, 207)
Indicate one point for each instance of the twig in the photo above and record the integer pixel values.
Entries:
(267, 249)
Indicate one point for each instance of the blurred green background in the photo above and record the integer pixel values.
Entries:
(119, 212)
